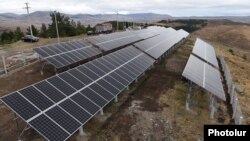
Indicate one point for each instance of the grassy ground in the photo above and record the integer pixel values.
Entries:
(232, 41)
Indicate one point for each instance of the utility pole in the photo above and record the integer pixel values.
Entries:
(58, 38)
(117, 21)
(27, 8)
(124, 24)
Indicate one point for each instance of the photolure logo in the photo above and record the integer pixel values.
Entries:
(214, 132)
(227, 132)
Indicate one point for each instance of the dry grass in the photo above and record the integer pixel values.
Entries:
(234, 37)
(43, 41)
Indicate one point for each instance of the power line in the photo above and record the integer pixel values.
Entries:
(27, 8)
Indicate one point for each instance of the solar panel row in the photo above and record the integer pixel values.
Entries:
(58, 106)
(205, 51)
(158, 45)
(115, 40)
(53, 49)
(68, 58)
(67, 53)
(205, 76)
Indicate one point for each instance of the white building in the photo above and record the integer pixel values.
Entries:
(103, 28)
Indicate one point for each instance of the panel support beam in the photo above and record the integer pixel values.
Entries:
(20, 132)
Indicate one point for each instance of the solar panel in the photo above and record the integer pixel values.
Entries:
(48, 128)
(36, 97)
(50, 91)
(95, 97)
(116, 40)
(85, 103)
(158, 45)
(63, 119)
(67, 53)
(20, 105)
(66, 101)
(61, 85)
(205, 51)
(72, 108)
(205, 76)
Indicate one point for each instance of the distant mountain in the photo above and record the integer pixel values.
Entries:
(10, 20)
(242, 19)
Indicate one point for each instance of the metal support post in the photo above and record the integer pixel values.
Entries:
(136, 80)
(212, 106)
(240, 120)
(232, 94)
(152, 66)
(235, 104)
(116, 99)
(128, 88)
(81, 132)
(189, 96)
(23, 57)
(4, 65)
(101, 112)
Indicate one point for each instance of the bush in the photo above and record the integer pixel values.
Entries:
(231, 51)
(244, 57)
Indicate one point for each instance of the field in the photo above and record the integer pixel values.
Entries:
(154, 107)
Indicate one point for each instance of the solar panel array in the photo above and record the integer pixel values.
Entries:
(205, 51)
(58, 106)
(158, 45)
(205, 76)
(115, 40)
(67, 53)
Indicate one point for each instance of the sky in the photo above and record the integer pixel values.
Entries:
(178, 8)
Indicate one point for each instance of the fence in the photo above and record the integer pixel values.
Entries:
(237, 113)
(16, 59)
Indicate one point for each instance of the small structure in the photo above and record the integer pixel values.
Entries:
(104, 28)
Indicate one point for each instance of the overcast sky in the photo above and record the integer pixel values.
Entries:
(171, 7)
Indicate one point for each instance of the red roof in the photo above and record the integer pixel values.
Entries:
(106, 23)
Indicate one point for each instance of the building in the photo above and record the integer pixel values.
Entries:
(103, 28)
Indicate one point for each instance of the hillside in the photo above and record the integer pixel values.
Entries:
(10, 20)
(232, 40)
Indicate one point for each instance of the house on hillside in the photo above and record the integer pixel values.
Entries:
(103, 28)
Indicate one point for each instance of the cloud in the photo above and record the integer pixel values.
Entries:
(172, 7)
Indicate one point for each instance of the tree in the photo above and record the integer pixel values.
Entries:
(80, 29)
(43, 31)
(34, 30)
(65, 26)
(7, 37)
(89, 28)
(18, 34)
